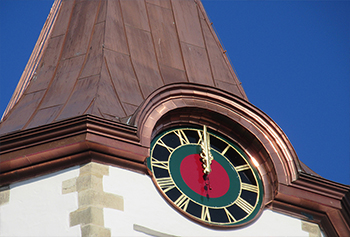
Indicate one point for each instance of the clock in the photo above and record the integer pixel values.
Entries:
(206, 176)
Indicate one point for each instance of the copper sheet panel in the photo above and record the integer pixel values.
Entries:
(161, 3)
(80, 28)
(197, 65)
(123, 77)
(47, 66)
(44, 116)
(172, 75)
(63, 84)
(135, 14)
(144, 60)
(102, 11)
(216, 56)
(63, 18)
(115, 38)
(107, 101)
(83, 95)
(21, 112)
(129, 109)
(95, 57)
(226, 86)
(187, 22)
(165, 37)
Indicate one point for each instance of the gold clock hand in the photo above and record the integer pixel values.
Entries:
(206, 154)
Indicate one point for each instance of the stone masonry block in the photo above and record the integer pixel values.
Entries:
(69, 186)
(91, 230)
(4, 195)
(89, 181)
(113, 201)
(89, 215)
(96, 169)
(312, 228)
(100, 199)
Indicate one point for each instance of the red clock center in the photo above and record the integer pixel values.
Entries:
(218, 182)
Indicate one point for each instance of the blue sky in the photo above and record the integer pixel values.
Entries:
(292, 57)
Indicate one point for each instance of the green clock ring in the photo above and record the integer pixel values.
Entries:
(206, 176)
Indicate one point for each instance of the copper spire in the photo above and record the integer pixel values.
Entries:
(105, 57)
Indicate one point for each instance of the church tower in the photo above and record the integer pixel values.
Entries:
(129, 121)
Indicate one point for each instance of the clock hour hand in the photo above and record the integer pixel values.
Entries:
(206, 154)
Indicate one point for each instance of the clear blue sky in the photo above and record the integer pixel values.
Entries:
(292, 57)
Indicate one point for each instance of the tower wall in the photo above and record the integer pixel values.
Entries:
(99, 199)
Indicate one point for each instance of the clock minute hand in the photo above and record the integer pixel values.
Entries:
(206, 154)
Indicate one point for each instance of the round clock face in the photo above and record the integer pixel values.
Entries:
(206, 176)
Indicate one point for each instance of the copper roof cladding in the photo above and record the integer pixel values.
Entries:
(108, 63)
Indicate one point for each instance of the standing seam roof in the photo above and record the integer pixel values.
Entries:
(105, 57)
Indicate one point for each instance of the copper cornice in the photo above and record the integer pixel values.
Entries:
(316, 199)
(66, 143)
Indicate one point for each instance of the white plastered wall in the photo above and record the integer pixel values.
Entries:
(37, 207)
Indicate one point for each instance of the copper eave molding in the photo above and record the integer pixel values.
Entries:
(289, 189)
(70, 142)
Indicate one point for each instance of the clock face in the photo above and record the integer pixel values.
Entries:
(206, 176)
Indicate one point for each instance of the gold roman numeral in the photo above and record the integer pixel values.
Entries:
(244, 205)
(250, 187)
(165, 183)
(225, 150)
(200, 135)
(182, 137)
(182, 202)
(161, 143)
(205, 216)
(230, 218)
(242, 167)
(160, 164)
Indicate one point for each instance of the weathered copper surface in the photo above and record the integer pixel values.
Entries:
(105, 57)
